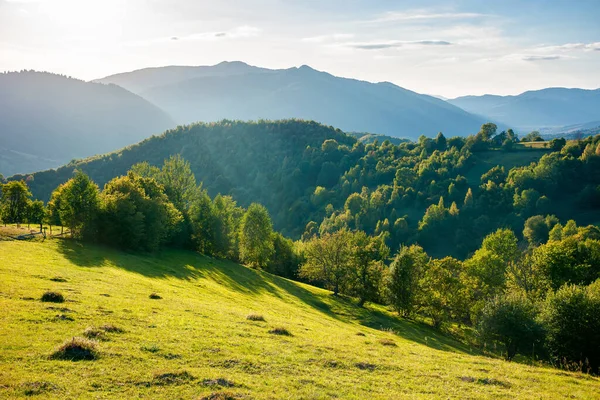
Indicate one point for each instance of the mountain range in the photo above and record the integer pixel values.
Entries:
(235, 90)
(47, 120)
(552, 108)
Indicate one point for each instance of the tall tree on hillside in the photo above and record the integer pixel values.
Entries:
(327, 260)
(79, 204)
(401, 282)
(15, 198)
(36, 213)
(256, 241)
(366, 262)
(54, 207)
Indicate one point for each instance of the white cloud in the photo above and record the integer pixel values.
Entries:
(422, 15)
(335, 37)
(396, 44)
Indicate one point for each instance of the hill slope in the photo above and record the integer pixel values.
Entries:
(536, 109)
(196, 341)
(53, 119)
(239, 91)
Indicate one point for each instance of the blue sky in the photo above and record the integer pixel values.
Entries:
(447, 48)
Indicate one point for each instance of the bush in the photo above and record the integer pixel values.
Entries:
(76, 349)
(53, 297)
(572, 318)
(512, 321)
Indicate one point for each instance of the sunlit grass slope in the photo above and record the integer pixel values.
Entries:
(195, 341)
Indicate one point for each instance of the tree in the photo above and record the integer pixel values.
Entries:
(256, 241)
(441, 295)
(511, 320)
(36, 213)
(572, 319)
(137, 214)
(204, 224)
(536, 230)
(366, 263)
(284, 261)
(54, 207)
(402, 278)
(14, 202)
(79, 204)
(327, 260)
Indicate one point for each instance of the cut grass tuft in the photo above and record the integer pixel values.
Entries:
(151, 348)
(365, 366)
(58, 279)
(38, 387)
(218, 382)
(172, 378)
(94, 333)
(76, 349)
(388, 342)
(53, 297)
(110, 328)
(155, 296)
(222, 396)
(255, 317)
(280, 331)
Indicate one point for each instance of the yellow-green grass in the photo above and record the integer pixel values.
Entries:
(199, 331)
(486, 160)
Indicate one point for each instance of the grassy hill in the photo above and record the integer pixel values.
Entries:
(195, 341)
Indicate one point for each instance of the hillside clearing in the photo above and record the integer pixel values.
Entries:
(196, 340)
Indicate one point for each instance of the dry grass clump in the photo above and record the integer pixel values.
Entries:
(218, 382)
(255, 317)
(172, 378)
(76, 349)
(155, 296)
(222, 396)
(365, 366)
(53, 297)
(94, 333)
(280, 331)
(110, 328)
(388, 342)
(38, 387)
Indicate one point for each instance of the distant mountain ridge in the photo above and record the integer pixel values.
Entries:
(536, 109)
(50, 119)
(235, 90)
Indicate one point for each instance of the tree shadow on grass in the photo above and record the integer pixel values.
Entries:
(187, 265)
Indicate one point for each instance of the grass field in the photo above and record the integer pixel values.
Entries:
(195, 341)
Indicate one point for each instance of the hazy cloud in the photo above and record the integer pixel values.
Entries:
(397, 44)
(421, 15)
(335, 37)
(542, 58)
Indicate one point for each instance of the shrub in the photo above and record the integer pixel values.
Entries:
(155, 296)
(53, 297)
(76, 349)
(255, 317)
(280, 331)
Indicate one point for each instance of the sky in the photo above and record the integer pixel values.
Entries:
(448, 48)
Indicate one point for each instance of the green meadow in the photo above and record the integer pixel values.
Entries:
(193, 339)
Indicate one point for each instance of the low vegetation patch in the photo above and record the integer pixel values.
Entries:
(63, 317)
(150, 348)
(58, 279)
(155, 296)
(218, 382)
(388, 342)
(255, 317)
(53, 297)
(365, 366)
(38, 387)
(172, 378)
(94, 333)
(222, 396)
(76, 349)
(111, 328)
(280, 331)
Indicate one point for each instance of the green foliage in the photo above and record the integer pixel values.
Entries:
(402, 279)
(14, 202)
(572, 318)
(36, 213)
(512, 320)
(79, 204)
(136, 214)
(256, 236)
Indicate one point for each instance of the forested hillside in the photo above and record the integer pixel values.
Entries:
(239, 91)
(315, 178)
(46, 120)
